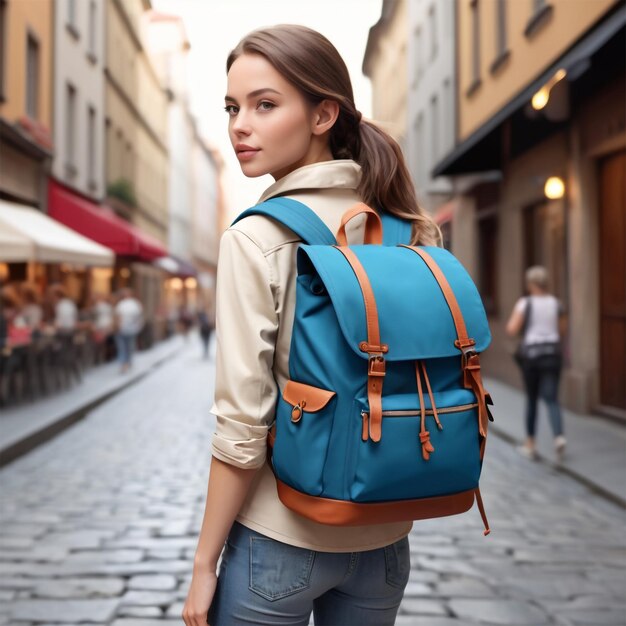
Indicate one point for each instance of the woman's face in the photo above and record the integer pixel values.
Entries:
(270, 123)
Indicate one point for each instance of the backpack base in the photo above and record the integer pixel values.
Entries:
(344, 513)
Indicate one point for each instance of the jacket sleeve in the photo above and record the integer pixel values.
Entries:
(246, 330)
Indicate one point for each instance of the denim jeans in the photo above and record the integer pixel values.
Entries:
(125, 345)
(263, 581)
(542, 382)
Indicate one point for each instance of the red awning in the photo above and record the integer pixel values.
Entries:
(101, 224)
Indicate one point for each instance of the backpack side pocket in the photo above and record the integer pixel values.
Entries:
(304, 420)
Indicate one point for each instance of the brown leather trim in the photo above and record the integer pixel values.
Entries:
(314, 398)
(342, 513)
(376, 363)
(373, 225)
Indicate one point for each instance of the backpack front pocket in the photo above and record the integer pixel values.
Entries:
(395, 468)
(304, 419)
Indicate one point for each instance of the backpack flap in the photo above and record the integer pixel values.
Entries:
(414, 317)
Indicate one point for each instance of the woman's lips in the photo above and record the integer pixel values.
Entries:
(246, 155)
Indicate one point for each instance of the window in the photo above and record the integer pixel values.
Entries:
(92, 30)
(419, 148)
(3, 38)
(32, 76)
(119, 155)
(418, 54)
(70, 131)
(434, 125)
(91, 148)
(501, 27)
(474, 7)
(447, 126)
(432, 25)
(541, 15)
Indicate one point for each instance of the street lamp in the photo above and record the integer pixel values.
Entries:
(554, 188)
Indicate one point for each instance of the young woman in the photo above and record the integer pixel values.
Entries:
(538, 316)
(291, 114)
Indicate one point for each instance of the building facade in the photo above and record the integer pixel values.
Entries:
(136, 119)
(26, 57)
(540, 108)
(79, 96)
(385, 63)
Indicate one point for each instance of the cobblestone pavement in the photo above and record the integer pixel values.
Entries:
(100, 525)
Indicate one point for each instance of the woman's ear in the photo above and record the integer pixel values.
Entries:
(325, 115)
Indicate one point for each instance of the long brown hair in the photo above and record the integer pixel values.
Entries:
(312, 64)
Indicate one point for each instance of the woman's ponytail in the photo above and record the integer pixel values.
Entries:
(386, 183)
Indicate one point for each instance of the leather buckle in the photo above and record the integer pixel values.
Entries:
(376, 364)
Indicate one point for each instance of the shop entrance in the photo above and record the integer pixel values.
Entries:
(612, 172)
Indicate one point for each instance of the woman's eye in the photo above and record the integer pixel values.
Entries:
(266, 106)
(230, 109)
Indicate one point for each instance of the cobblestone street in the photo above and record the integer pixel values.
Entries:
(100, 525)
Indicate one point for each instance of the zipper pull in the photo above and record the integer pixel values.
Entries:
(365, 429)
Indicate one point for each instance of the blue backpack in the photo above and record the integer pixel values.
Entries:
(384, 417)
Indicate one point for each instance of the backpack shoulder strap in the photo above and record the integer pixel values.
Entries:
(296, 216)
(395, 230)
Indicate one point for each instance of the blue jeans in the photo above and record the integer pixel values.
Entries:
(542, 382)
(125, 345)
(263, 581)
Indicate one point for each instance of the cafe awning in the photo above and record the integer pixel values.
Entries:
(27, 234)
(101, 224)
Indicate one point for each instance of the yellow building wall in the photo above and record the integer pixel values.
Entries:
(389, 74)
(529, 56)
(22, 15)
(136, 108)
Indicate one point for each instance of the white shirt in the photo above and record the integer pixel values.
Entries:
(129, 312)
(65, 314)
(103, 316)
(543, 326)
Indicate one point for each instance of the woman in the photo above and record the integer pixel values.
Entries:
(292, 115)
(538, 317)
(32, 311)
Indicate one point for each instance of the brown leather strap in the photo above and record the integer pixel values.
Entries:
(481, 510)
(374, 348)
(459, 323)
(427, 446)
(470, 361)
(373, 225)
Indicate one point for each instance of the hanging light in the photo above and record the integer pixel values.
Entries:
(554, 188)
(540, 99)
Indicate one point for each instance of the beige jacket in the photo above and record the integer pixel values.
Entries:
(255, 298)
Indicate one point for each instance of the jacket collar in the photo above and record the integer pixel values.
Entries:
(340, 173)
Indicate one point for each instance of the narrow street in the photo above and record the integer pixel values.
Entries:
(100, 525)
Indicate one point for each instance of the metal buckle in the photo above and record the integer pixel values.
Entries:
(376, 364)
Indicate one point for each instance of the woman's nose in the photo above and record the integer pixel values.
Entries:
(241, 124)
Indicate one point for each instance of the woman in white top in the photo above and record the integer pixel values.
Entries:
(538, 317)
(292, 115)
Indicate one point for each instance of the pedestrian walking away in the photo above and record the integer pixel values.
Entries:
(205, 326)
(302, 128)
(129, 321)
(539, 318)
